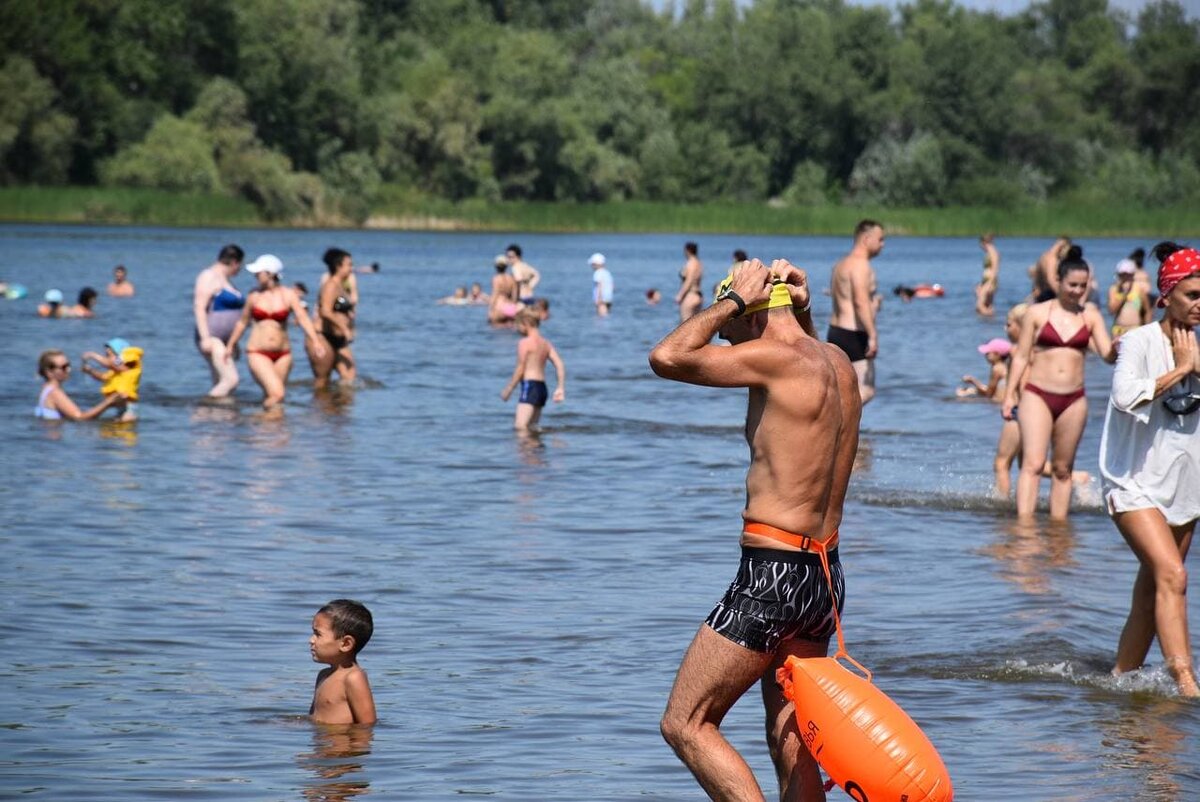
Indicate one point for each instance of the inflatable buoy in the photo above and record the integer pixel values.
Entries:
(860, 737)
(15, 292)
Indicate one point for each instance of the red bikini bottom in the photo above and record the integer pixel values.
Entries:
(275, 356)
(1057, 402)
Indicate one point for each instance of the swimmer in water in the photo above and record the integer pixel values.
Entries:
(121, 374)
(533, 351)
(855, 305)
(458, 298)
(120, 286)
(54, 403)
(342, 694)
(691, 277)
(802, 423)
(216, 308)
(1053, 401)
(52, 304)
(85, 304)
(996, 352)
(267, 309)
(989, 281)
(336, 308)
(503, 306)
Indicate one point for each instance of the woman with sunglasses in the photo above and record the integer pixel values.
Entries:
(1150, 464)
(54, 403)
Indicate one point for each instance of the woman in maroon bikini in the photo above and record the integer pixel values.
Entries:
(1055, 336)
(269, 352)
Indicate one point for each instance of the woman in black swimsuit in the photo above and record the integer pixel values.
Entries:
(336, 310)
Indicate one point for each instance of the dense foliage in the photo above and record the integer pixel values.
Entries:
(308, 107)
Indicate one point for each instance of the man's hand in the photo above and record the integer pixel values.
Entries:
(795, 279)
(872, 347)
(751, 282)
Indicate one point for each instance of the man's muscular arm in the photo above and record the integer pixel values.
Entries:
(686, 354)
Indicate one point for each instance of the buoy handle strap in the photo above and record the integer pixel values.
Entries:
(841, 653)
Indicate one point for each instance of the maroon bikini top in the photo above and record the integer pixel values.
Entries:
(1049, 337)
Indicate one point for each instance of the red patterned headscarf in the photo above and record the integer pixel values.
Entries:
(1175, 269)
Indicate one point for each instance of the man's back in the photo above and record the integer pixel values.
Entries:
(853, 270)
(802, 429)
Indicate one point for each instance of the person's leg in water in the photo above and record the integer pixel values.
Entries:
(797, 772)
(1067, 432)
(322, 366)
(224, 371)
(263, 369)
(714, 674)
(344, 364)
(1159, 600)
(1008, 448)
(1036, 424)
(525, 417)
(865, 370)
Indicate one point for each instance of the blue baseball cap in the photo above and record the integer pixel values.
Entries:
(117, 345)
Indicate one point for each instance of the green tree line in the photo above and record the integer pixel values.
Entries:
(308, 108)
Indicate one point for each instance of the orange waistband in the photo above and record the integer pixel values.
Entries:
(803, 542)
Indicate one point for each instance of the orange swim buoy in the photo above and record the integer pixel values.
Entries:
(860, 737)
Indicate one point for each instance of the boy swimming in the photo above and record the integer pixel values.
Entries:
(342, 694)
(532, 353)
(122, 374)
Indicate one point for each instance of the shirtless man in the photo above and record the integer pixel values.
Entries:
(1045, 270)
(121, 286)
(502, 304)
(526, 275)
(802, 430)
(852, 327)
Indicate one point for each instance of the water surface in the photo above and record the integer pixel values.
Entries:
(532, 598)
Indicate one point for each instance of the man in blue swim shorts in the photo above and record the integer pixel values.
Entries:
(802, 429)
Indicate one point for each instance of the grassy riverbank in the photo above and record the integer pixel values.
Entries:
(396, 210)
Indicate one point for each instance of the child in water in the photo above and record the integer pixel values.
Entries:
(532, 353)
(121, 374)
(996, 352)
(342, 694)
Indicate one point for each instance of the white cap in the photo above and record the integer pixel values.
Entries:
(266, 264)
(596, 259)
(1126, 266)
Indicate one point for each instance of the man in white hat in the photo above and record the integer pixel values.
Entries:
(1127, 302)
(602, 285)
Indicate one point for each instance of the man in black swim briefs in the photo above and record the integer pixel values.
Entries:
(802, 429)
(856, 303)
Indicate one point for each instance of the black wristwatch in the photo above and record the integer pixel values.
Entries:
(737, 299)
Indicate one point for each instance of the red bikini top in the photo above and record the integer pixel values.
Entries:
(1049, 337)
(262, 314)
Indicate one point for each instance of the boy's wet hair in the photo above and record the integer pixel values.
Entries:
(352, 618)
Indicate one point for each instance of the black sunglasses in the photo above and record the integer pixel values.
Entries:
(1182, 404)
(63, 366)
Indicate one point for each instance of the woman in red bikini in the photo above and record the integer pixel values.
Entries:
(267, 309)
(1055, 336)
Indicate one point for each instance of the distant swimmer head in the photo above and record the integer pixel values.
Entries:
(996, 345)
(53, 296)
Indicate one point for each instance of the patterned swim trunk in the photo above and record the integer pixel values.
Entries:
(777, 596)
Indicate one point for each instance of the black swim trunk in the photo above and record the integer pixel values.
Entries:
(853, 342)
(533, 392)
(336, 341)
(777, 596)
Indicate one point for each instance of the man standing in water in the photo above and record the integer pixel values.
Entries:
(853, 287)
(802, 429)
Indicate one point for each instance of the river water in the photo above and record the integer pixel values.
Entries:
(532, 598)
